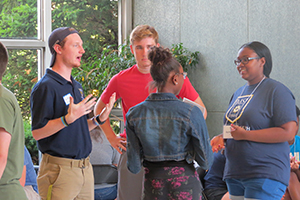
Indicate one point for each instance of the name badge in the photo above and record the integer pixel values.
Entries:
(67, 99)
(227, 132)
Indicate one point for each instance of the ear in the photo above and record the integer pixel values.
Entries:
(57, 48)
(175, 79)
(263, 61)
(131, 49)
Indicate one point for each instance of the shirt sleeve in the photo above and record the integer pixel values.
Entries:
(110, 89)
(134, 149)
(6, 115)
(188, 91)
(284, 108)
(41, 102)
(200, 139)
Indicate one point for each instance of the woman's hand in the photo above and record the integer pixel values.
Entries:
(217, 143)
(238, 133)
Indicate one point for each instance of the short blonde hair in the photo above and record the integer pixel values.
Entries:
(143, 31)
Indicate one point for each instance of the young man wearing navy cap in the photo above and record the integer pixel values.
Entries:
(60, 123)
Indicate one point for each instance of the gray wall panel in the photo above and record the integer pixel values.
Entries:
(157, 13)
(217, 28)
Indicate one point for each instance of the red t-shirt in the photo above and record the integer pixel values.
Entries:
(132, 87)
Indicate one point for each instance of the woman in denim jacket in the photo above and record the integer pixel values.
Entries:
(166, 135)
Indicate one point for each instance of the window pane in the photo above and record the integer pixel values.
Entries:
(96, 21)
(21, 75)
(18, 19)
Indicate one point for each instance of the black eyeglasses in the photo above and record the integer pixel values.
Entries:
(184, 74)
(244, 60)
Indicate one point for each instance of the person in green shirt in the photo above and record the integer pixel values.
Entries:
(11, 139)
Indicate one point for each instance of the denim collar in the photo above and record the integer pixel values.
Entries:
(161, 96)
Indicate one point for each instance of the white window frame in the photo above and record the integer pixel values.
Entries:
(124, 20)
(44, 29)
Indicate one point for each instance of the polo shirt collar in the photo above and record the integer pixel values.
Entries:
(58, 77)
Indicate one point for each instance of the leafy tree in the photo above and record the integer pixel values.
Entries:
(20, 76)
(18, 19)
(96, 21)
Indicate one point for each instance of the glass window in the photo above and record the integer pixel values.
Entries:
(20, 76)
(96, 21)
(18, 19)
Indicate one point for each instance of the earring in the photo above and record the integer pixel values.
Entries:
(176, 83)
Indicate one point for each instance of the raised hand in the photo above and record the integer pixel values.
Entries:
(106, 111)
(76, 111)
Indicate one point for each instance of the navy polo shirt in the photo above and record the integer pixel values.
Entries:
(50, 100)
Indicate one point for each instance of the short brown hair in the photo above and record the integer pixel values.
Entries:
(3, 59)
(143, 31)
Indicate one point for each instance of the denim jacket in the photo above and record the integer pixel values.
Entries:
(163, 128)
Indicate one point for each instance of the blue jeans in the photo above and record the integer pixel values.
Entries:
(108, 193)
(255, 188)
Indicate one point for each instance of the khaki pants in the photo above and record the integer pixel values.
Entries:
(67, 179)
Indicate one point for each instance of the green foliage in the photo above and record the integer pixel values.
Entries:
(20, 76)
(18, 19)
(185, 57)
(96, 21)
(30, 142)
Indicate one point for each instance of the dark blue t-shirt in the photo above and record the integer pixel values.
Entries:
(271, 105)
(49, 100)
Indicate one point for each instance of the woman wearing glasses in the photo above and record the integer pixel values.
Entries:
(166, 135)
(261, 118)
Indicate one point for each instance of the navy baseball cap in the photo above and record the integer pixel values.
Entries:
(56, 37)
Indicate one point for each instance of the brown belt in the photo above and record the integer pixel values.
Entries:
(82, 163)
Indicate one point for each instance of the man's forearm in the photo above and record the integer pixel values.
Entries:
(52, 127)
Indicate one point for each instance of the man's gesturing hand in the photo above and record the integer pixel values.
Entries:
(76, 111)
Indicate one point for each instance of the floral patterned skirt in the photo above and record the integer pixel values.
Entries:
(175, 181)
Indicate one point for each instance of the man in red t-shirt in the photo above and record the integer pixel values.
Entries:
(131, 85)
